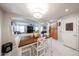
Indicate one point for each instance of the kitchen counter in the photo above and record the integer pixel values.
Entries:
(27, 40)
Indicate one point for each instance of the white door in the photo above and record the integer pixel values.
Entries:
(69, 32)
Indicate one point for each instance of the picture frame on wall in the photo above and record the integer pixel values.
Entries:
(69, 26)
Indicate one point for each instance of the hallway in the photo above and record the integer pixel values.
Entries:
(58, 49)
(38, 29)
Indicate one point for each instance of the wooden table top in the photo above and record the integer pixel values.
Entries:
(27, 40)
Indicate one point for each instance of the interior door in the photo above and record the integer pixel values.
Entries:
(53, 31)
(69, 32)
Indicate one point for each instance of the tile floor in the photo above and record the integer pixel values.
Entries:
(58, 49)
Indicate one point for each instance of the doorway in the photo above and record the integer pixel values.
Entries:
(53, 31)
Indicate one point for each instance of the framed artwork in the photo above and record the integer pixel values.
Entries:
(69, 26)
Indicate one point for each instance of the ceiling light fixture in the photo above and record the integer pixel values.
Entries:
(42, 7)
(66, 10)
(38, 9)
(37, 15)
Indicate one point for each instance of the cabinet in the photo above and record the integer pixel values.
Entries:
(35, 49)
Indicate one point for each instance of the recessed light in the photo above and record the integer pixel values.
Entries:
(66, 10)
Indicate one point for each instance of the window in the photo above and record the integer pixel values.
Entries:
(36, 28)
(20, 28)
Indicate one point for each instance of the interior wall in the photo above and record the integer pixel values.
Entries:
(64, 34)
(0, 29)
(59, 30)
(7, 35)
(48, 28)
(64, 18)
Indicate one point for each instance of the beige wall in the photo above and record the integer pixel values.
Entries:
(1, 17)
(6, 29)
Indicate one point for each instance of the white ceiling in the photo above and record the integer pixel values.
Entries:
(55, 10)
